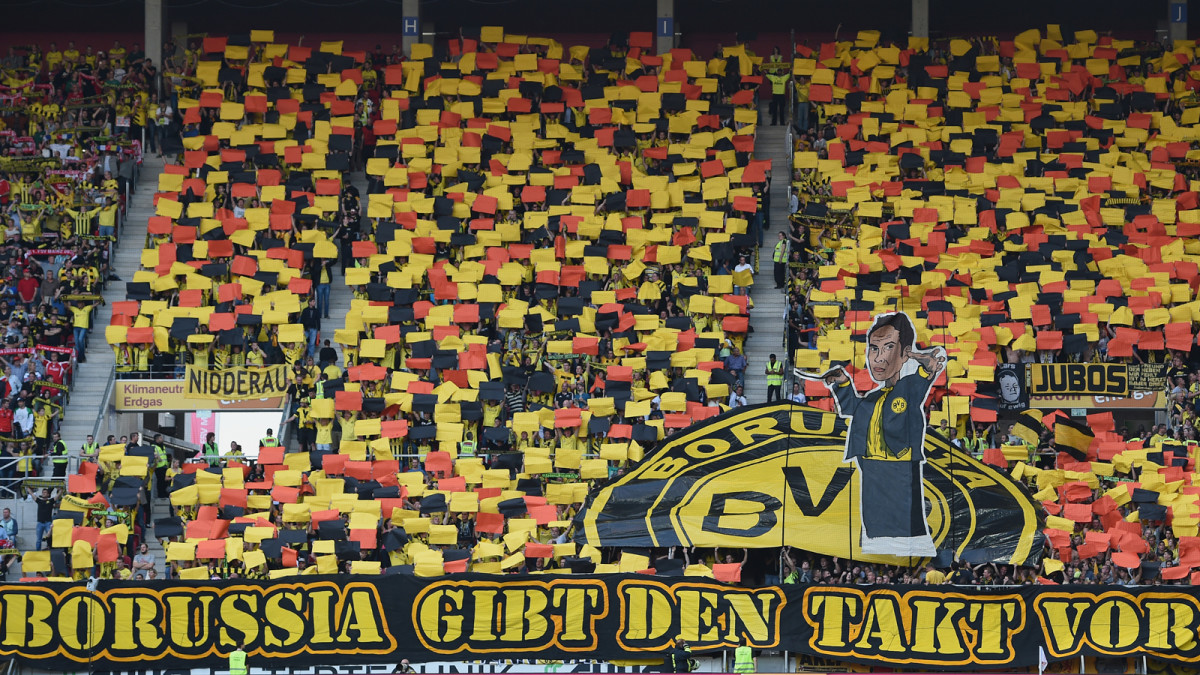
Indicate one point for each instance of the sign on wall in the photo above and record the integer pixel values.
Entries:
(171, 395)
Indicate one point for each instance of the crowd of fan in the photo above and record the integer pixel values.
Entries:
(67, 167)
(1002, 203)
(485, 383)
(483, 335)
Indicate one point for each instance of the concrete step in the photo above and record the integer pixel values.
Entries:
(770, 304)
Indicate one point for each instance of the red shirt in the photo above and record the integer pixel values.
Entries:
(6, 421)
(55, 371)
(27, 288)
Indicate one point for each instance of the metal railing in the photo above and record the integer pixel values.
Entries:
(174, 371)
(15, 486)
(281, 430)
(171, 372)
(101, 424)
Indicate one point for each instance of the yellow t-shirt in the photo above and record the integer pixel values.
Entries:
(139, 113)
(347, 424)
(293, 353)
(108, 216)
(325, 432)
(31, 228)
(83, 316)
(200, 358)
(41, 424)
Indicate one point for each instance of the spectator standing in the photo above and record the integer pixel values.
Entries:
(161, 464)
(743, 658)
(59, 456)
(8, 533)
(327, 356)
(90, 450)
(47, 502)
(27, 288)
(780, 257)
(310, 318)
(774, 373)
(9, 528)
(324, 280)
(22, 420)
(778, 97)
(162, 121)
(82, 321)
(237, 661)
(934, 576)
(210, 453)
(742, 266)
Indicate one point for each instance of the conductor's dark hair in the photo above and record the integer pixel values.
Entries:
(903, 326)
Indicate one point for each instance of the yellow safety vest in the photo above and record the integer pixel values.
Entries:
(743, 660)
(780, 252)
(237, 662)
(775, 374)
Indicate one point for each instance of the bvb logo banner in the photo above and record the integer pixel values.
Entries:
(776, 474)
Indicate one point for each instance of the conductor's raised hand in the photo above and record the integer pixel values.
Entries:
(837, 376)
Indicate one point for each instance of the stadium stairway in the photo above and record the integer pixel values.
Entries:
(340, 294)
(92, 377)
(340, 297)
(766, 318)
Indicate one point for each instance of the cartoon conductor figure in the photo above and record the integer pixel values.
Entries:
(886, 436)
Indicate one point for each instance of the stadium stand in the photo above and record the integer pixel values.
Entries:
(68, 165)
(545, 268)
(1031, 201)
(469, 338)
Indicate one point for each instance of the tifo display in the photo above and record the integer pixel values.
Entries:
(530, 435)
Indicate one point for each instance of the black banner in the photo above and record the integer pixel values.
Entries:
(1147, 377)
(361, 620)
(1079, 379)
(1011, 386)
(773, 475)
